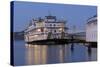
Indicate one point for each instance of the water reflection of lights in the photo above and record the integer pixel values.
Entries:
(26, 45)
(29, 45)
(37, 54)
(61, 54)
(43, 54)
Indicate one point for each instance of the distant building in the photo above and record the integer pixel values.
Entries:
(91, 29)
(45, 28)
(80, 35)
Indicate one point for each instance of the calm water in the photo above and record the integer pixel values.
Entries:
(48, 54)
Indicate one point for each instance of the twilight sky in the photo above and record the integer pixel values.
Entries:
(76, 15)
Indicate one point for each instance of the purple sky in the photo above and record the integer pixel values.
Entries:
(74, 14)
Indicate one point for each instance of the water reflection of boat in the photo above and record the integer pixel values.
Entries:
(48, 54)
(41, 54)
(36, 54)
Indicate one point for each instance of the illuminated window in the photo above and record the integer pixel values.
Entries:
(39, 30)
(60, 29)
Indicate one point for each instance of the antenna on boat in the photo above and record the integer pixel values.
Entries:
(74, 29)
(49, 12)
